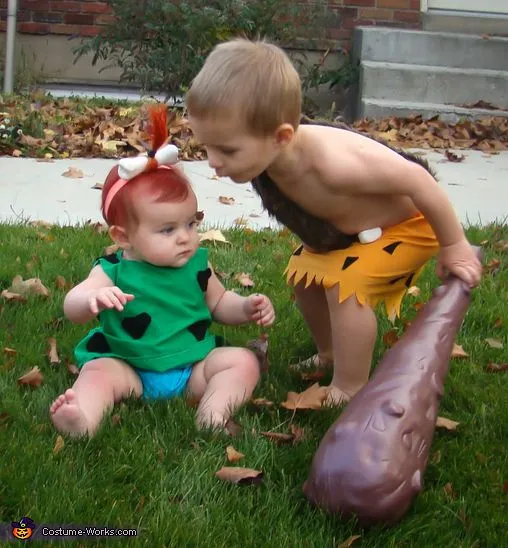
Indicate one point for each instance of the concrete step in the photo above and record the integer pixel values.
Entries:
(379, 108)
(430, 48)
(433, 84)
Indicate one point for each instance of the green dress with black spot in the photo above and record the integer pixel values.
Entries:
(165, 326)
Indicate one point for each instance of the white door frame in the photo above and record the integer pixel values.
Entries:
(424, 7)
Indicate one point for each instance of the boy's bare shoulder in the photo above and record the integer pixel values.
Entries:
(344, 158)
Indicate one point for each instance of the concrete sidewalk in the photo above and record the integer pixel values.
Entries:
(32, 190)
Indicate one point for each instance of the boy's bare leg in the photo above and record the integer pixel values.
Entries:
(354, 331)
(223, 381)
(101, 383)
(313, 305)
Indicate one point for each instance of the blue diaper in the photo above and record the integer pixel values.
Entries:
(165, 385)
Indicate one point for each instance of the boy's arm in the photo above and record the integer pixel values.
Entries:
(76, 304)
(226, 306)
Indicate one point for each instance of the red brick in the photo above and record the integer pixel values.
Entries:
(34, 5)
(105, 19)
(360, 2)
(34, 28)
(3, 26)
(66, 6)
(79, 19)
(376, 13)
(47, 17)
(339, 34)
(91, 30)
(399, 4)
(346, 13)
(64, 29)
(414, 5)
(95, 7)
(407, 16)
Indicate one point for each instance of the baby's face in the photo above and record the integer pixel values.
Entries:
(167, 233)
(232, 150)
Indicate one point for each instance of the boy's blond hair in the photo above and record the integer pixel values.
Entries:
(253, 80)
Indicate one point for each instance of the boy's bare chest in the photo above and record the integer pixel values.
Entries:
(350, 214)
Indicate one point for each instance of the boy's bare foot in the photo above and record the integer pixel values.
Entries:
(336, 397)
(314, 362)
(67, 416)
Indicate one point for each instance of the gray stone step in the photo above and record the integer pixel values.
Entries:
(431, 48)
(433, 84)
(379, 108)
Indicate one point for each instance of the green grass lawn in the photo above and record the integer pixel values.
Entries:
(149, 468)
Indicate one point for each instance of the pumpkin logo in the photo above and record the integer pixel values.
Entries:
(23, 529)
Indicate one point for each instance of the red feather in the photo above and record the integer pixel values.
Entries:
(158, 124)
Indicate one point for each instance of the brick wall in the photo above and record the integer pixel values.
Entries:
(68, 17)
(391, 13)
(85, 17)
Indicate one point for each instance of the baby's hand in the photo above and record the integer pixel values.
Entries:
(108, 297)
(260, 309)
(459, 259)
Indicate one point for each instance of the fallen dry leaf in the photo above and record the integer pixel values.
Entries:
(10, 296)
(278, 437)
(238, 475)
(72, 369)
(313, 375)
(449, 491)
(414, 291)
(60, 282)
(17, 153)
(497, 367)
(498, 323)
(10, 351)
(233, 428)
(52, 353)
(241, 221)
(98, 186)
(348, 542)
(213, 236)
(390, 337)
(494, 343)
(260, 348)
(31, 286)
(458, 352)
(298, 433)
(262, 402)
(244, 280)
(33, 378)
(59, 445)
(226, 200)
(312, 398)
(452, 157)
(73, 173)
(435, 458)
(233, 455)
(450, 425)
(492, 267)
(115, 419)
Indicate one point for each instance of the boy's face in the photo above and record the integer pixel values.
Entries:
(232, 150)
(167, 232)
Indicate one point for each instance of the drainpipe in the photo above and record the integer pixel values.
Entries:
(12, 9)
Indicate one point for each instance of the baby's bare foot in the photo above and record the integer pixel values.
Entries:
(336, 397)
(67, 416)
(314, 362)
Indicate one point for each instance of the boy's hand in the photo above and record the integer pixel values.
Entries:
(108, 297)
(259, 309)
(459, 259)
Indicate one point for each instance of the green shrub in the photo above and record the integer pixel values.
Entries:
(161, 45)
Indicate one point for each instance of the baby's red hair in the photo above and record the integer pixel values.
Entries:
(164, 184)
